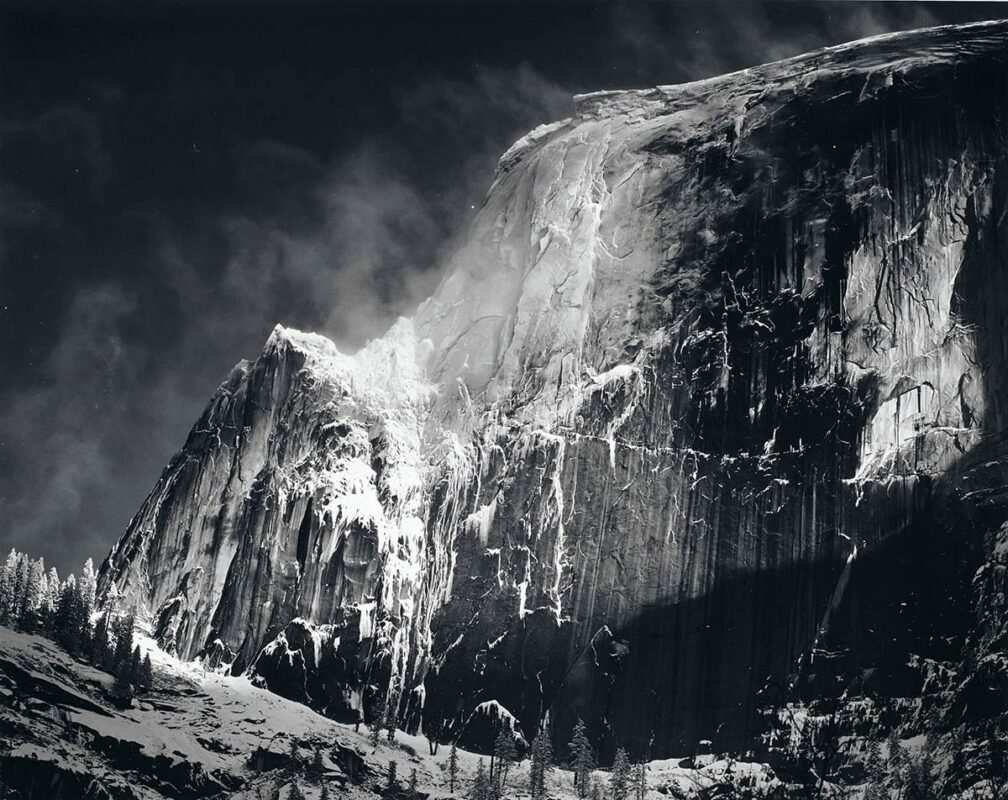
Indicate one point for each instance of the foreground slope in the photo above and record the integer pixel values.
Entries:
(714, 389)
(201, 734)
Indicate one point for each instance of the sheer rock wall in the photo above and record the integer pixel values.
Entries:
(704, 348)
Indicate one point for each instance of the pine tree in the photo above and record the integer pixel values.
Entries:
(433, 729)
(453, 767)
(110, 600)
(34, 593)
(391, 773)
(505, 754)
(20, 591)
(317, 764)
(67, 623)
(86, 601)
(481, 784)
(88, 584)
(86, 587)
(51, 599)
(78, 623)
(582, 759)
(640, 780)
(41, 615)
(596, 791)
(100, 655)
(86, 636)
(295, 792)
(7, 575)
(123, 629)
(413, 782)
(136, 660)
(548, 757)
(619, 782)
(374, 733)
(324, 794)
(147, 674)
(60, 619)
(122, 687)
(536, 769)
(541, 763)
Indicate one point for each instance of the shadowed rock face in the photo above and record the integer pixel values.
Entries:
(705, 349)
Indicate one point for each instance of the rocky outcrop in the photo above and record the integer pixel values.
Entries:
(323, 666)
(194, 734)
(710, 356)
(298, 492)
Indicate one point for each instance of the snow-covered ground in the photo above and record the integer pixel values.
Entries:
(198, 731)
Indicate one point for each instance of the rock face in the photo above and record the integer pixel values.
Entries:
(298, 492)
(712, 357)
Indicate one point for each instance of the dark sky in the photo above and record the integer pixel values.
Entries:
(175, 181)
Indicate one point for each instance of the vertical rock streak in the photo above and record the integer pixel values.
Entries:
(702, 345)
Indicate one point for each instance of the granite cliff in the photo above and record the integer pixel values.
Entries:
(711, 396)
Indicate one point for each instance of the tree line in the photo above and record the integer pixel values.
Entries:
(494, 780)
(67, 611)
(627, 780)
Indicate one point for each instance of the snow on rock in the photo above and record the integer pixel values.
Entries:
(300, 492)
(485, 722)
(200, 733)
(702, 342)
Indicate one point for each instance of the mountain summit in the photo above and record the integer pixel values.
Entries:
(714, 361)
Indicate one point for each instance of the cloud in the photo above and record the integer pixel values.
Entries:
(347, 265)
(341, 244)
(151, 303)
(63, 145)
(347, 245)
(60, 431)
(673, 43)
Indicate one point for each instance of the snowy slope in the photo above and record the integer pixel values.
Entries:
(199, 733)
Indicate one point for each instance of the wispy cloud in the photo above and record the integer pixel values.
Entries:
(60, 434)
(341, 242)
(341, 245)
(691, 41)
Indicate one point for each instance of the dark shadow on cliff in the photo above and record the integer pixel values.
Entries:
(695, 670)
(692, 670)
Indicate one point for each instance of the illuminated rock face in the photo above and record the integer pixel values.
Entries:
(706, 348)
(298, 493)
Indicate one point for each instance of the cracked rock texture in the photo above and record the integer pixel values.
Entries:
(706, 350)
